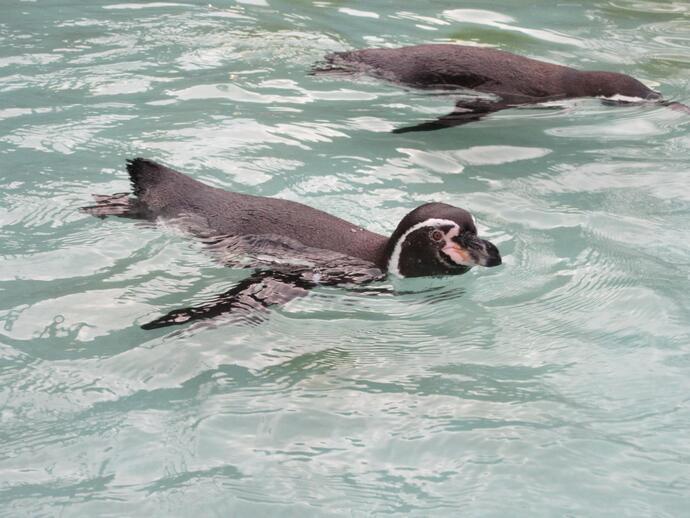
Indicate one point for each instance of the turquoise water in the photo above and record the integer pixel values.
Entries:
(557, 384)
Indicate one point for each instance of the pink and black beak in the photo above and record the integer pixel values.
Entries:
(469, 250)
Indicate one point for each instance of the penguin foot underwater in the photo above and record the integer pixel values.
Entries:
(292, 247)
(510, 79)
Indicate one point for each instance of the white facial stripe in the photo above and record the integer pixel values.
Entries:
(453, 232)
(394, 261)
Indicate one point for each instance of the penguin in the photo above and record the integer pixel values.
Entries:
(505, 79)
(291, 246)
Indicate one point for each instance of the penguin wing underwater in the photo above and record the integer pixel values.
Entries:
(509, 79)
(292, 247)
(269, 284)
(247, 300)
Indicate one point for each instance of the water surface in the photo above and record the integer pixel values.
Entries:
(557, 384)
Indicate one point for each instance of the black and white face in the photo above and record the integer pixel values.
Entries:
(435, 247)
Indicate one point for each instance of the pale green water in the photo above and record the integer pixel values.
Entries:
(557, 384)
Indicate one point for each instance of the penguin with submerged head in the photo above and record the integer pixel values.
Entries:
(503, 79)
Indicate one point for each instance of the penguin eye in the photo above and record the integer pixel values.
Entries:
(436, 235)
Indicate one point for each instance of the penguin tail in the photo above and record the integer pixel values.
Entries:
(143, 174)
(151, 183)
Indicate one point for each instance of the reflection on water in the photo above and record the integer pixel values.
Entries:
(554, 384)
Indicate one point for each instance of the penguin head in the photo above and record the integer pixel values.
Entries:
(438, 239)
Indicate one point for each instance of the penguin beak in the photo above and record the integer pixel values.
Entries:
(471, 251)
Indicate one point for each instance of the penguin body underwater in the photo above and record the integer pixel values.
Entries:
(293, 247)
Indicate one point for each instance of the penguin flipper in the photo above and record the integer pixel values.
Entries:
(472, 110)
(247, 300)
(447, 121)
(464, 113)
